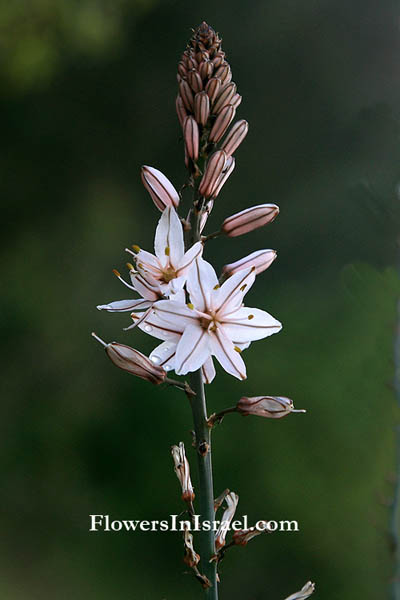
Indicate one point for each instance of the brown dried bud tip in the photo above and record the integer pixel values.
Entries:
(133, 361)
(182, 470)
(243, 536)
(304, 593)
(272, 407)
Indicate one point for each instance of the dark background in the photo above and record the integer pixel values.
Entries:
(88, 91)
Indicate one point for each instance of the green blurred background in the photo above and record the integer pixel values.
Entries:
(88, 91)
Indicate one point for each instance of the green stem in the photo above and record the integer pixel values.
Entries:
(205, 488)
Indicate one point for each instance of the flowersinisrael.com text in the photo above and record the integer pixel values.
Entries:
(106, 523)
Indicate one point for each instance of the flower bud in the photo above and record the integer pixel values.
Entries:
(231, 500)
(236, 100)
(243, 536)
(224, 98)
(182, 70)
(191, 558)
(249, 219)
(235, 137)
(214, 168)
(195, 81)
(261, 260)
(222, 122)
(133, 361)
(304, 593)
(272, 407)
(213, 87)
(182, 470)
(186, 95)
(224, 73)
(201, 107)
(160, 188)
(191, 137)
(227, 170)
(180, 110)
(206, 69)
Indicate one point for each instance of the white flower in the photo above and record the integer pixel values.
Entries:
(214, 323)
(160, 275)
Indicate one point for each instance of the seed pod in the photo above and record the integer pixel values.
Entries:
(235, 137)
(213, 87)
(214, 168)
(249, 219)
(180, 110)
(195, 81)
(224, 98)
(133, 362)
(201, 107)
(186, 95)
(160, 188)
(228, 168)
(222, 123)
(272, 407)
(261, 260)
(191, 137)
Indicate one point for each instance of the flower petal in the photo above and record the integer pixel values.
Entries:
(224, 351)
(176, 314)
(156, 327)
(200, 283)
(145, 261)
(230, 295)
(125, 305)
(208, 370)
(249, 324)
(168, 243)
(164, 355)
(188, 258)
(146, 286)
(192, 350)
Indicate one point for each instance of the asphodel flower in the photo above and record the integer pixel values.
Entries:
(272, 407)
(231, 500)
(182, 470)
(133, 361)
(213, 323)
(304, 593)
(249, 219)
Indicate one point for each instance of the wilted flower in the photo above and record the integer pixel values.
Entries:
(231, 500)
(249, 219)
(261, 260)
(243, 536)
(191, 558)
(160, 188)
(182, 471)
(304, 593)
(133, 361)
(273, 407)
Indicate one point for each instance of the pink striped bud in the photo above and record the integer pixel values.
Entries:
(191, 137)
(224, 73)
(261, 260)
(213, 87)
(231, 500)
(192, 63)
(249, 219)
(272, 407)
(195, 81)
(235, 137)
(201, 107)
(182, 70)
(228, 168)
(186, 95)
(206, 69)
(222, 123)
(180, 110)
(236, 100)
(243, 536)
(214, 168)
(218, 59)
(224, 98)
(182, 471)
(160, 188)
(133, 362)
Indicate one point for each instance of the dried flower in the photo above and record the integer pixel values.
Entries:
(231, 500)
(191, 558)
(261, 260)
(218, 501)
(182, 471)
(304, 593)
(235, 137)
(160, 188)
(249, 219)
(243, 536)
(133, 361)
(272, 407)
